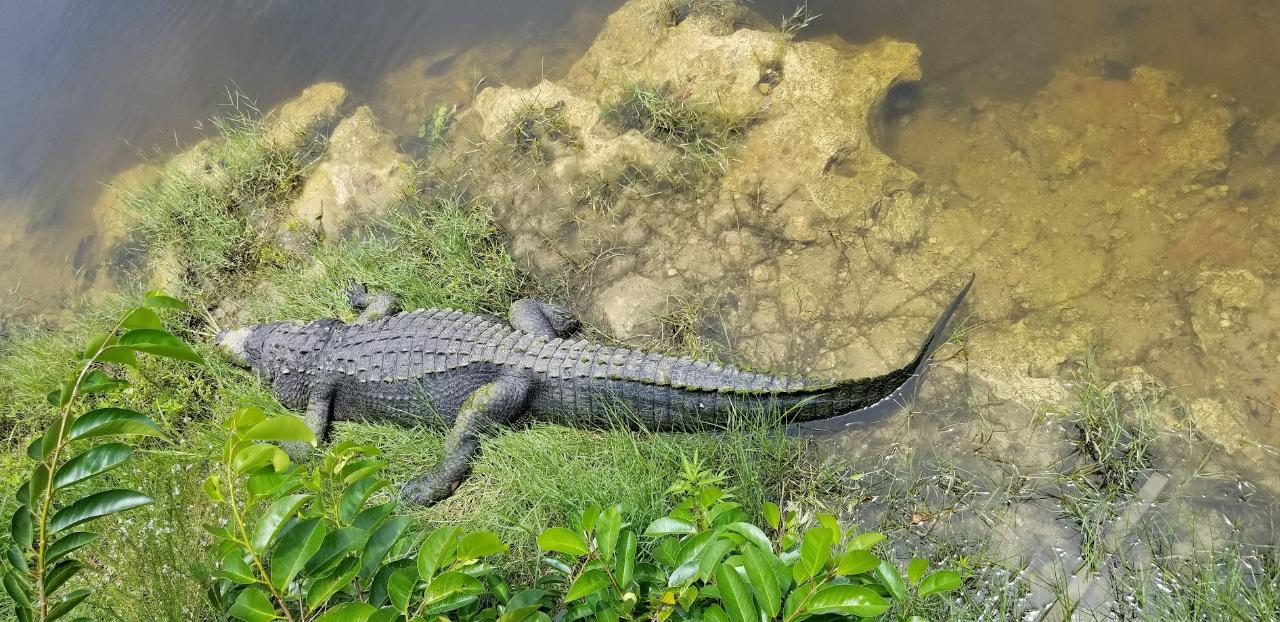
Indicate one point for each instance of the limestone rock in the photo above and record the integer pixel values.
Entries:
(1220, 420)
(306, 114)
(361, 175)
(1218, 305)
(628, 304)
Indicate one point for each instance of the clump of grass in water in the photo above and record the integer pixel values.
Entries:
(534, 129)
(1113, 449)
(704, 134)
(213, 217)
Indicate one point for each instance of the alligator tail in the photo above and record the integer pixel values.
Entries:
(873, 398)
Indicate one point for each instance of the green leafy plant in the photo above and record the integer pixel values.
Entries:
(58, 496)
(309, 545)
(710, 563)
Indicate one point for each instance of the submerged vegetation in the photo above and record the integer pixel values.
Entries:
(703, 133)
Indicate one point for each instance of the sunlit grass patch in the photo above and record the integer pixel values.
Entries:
(210, 214)
(432, 251)
(526, 480)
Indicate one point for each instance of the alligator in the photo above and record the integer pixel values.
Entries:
(474, 373)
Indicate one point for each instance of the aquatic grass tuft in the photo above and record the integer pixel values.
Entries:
(703, 133)
(535, 131)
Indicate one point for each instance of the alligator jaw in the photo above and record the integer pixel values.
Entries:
(231, 345)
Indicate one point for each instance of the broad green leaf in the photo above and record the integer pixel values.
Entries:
(98, 382)
(738, 603)
(142, 317)
(586, 584)
(772, 514)
(98, 460)
(360, 469)
(59, 574)
(752, 535)
(159, 343)
(892, 580)
(281, 428)
(296, 545)
(369, 518)
(864, 541)
(20, 527)
(96, 505)
(608, 525)
(321, 589)
(710, 557)
(815, 550)
(244, 418)
(13, 585)
(337, 545)
(562, 540)
(626, 560)
(848, 600)
(112, 422)
(400, 587)
(213, 487)
(66, 604)
(68, 543)
(348, 612)
(857, 561)
(389, 614)
(437, 551)
(254, 456)
(236, 570)
(272, 484)
(714, 613)
(667, 526)
(17, 558)
(479, 544)
(253, 605)
(160, 300)
(916, 569)
(939, 582)
(831, 523)
(451, 584)
(523, 614)
(379, 544)
(355, 495)
(763, 582)
(275, 516)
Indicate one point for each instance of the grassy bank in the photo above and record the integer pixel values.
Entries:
(208, 228)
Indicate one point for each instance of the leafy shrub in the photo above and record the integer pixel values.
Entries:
(40, 557)
(310, 545)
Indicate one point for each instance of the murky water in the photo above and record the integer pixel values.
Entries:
(1107, 168)
(91, 89)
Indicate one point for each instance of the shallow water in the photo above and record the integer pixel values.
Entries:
(1145, 250)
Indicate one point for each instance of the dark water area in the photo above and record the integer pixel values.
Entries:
(92, 88)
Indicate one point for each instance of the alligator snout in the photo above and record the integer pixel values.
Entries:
(231, 345)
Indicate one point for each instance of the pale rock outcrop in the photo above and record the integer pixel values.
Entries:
(361, 175)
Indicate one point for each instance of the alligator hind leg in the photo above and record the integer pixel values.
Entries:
(540, 318)
(490, 406)
(371, 306)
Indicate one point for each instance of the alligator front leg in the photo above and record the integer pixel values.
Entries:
(490, 406)
(371, 306)
(319, 410)
(540, 318)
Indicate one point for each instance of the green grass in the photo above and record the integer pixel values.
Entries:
(535, 130)
(528, 479)
(704, 134)
(212, 216)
